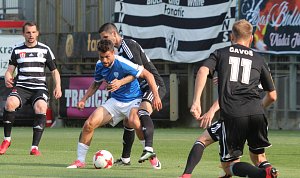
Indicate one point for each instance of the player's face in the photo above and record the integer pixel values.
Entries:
(110, 36)
(107, 58)
(31, 34)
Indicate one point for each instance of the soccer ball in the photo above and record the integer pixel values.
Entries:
(103, 159)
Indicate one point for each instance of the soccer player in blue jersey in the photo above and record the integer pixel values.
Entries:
(123, 103)
(29, 86)
(132, 51)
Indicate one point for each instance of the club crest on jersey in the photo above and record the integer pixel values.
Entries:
(40, 55)
(22, 54)
(116, 74)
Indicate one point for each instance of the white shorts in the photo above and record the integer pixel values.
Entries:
(119, 110)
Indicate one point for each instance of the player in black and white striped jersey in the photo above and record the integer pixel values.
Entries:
(29, 86)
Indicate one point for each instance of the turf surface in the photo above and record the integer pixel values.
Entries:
(58, 148)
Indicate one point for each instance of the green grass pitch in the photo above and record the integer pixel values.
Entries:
(58, 148)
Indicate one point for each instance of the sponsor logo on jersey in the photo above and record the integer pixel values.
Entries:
(22, 54)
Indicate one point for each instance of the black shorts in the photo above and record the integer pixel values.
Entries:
(215, 130)
(148, 95)
(27, 96)
(237, 130)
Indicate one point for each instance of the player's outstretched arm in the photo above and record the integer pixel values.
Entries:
(156, 103)
(57, 82)
(116, 84)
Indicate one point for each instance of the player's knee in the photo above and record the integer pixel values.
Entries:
(134, 123)
(205, 139)
(89, 126)
(11, 105)
(39, 122)
(146, 105)
(40, 106)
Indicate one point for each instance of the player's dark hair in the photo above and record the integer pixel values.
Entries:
(30, 23)
(108, 27)
(105, 45)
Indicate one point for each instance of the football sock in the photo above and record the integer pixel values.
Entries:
(147, 127)
(7, 138)
(125, 160)
(82, 150)
(243, 169)
(143, 143)
(147, 148)
(8, 120)
(194, 157)
(32, 147)
(128, 139)
(38, 128)
(264, 164)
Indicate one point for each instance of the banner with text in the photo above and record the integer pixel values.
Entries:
(7, 43)
(276, 24)
(185, 31)
(74, 88)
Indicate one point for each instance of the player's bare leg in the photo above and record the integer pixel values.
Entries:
(98, 118)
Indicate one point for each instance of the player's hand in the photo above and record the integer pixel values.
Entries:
(57, 93)
(205, 120)
(156, 103)
(114, 85)
(196, 110)
(80, 105)
(9, 82)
